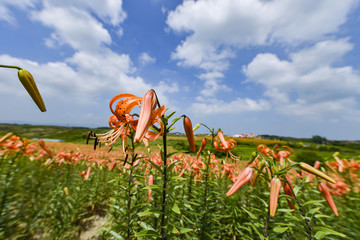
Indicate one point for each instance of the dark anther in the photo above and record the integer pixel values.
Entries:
(88, 137)
(134, 158)
(99, 144)
(95, 143)
(126, 157)
(110, 149)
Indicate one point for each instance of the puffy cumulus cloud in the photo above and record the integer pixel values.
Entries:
(212, 84)
(308, 84)
(74, 27)
(217, 29)
(145, 58)
(239, 105)
(213, 24)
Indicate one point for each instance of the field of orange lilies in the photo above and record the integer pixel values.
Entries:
(47, 189)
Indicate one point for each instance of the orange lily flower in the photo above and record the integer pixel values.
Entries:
(224, 145)
(121, 120)
(189, 133)
(86, 174)
(243, 178)
(275, 187)
(326, 193)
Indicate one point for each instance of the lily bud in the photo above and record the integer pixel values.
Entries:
(275, 187)
(203, 144)
(326, 193)
(243, 178)
(147, 108)
(28, 82)
(316, 166)
(288, 191)
(310, 169)
(66, 191)
(189, 133)
(151, 182)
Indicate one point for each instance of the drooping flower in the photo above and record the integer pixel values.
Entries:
(275, 187)
(202, 146)
(326, 193)
(243, 178)
(189, 133)
(224, 145)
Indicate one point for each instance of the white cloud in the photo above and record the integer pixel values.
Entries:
(145, 58)
(308, 84)
(74, 26)
(217, 29)
(238, 105)
(213, 24)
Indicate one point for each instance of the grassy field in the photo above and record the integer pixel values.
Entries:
(68, 190)
(177, 142)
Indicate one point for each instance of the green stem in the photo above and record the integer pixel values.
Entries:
(205, 197)
(10, 66)
(163, 233)
(308, 227)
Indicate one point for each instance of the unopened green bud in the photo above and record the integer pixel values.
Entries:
(28, 82)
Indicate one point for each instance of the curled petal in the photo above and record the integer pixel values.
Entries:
(147, 108)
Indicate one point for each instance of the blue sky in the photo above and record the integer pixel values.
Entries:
(288, 68)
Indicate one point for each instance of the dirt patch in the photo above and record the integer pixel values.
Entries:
(91, 226)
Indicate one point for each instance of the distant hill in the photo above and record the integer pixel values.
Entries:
(68, 134)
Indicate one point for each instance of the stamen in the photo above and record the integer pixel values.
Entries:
(110, 149)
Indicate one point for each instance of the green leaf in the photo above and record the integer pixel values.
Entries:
(185, 230)
(155, 166)
(175, 209)
(147, 233)
(152, 187)
(116, 235)
(146, 226)
(314, 210)
(329, 231)
(147, 212)
(313, 202)
(170, 115)
(279, 229)
(175, 120)
(250, 214)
